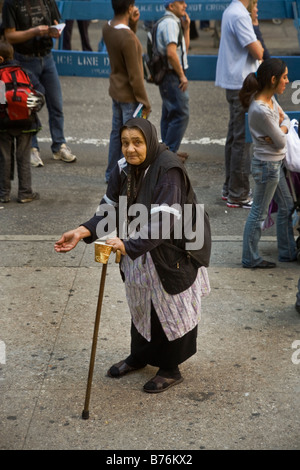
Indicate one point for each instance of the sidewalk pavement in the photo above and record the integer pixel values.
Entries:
(240, 391)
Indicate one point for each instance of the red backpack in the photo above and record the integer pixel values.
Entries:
(18, 88)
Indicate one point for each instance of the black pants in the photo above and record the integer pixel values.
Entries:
(17, 146)
(83, 26)
(160, 352)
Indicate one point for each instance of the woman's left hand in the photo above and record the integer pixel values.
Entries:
(117, 244)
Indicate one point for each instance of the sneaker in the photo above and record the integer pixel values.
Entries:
(35, 157)
(31, 198)
(4, 199)
(224, 195)
(245, 204)
(64, 154)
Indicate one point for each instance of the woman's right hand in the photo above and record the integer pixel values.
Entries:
(69, 240)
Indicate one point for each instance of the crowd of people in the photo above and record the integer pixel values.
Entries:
(164, 286)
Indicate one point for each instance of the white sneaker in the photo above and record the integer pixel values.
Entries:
(64, 154)
(35, 158)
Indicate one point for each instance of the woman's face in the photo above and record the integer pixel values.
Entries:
(134, 146)
(283, 81)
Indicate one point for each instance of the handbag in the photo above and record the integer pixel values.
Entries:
(292, 158)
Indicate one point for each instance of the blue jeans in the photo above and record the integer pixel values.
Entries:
(270, 182)
(44, 71)
(175, 111)
(122, 112)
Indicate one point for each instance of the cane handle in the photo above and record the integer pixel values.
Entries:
(118, 256)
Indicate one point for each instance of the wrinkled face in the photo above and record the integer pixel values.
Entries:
(282, 83)
(134, 146)
(178, 8)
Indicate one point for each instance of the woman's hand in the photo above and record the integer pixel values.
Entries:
(117, 244)
(69, 240)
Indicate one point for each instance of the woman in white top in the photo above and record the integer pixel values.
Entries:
(269, 126)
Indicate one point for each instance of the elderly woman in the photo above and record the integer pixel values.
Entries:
(163, 286)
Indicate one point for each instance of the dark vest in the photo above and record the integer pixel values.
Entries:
(177, 268)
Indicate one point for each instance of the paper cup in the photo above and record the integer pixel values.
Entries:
(102, 252)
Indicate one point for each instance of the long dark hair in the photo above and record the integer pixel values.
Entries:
(258, 81)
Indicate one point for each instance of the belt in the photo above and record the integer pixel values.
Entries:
(36, 54)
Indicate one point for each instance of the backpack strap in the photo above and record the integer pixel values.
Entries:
(154, 34)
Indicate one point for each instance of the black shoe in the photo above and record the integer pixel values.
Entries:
(297, 307)
(31, 198)
(120, 369)
(263, 265)
(4, 199)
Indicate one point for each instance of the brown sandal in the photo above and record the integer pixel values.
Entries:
(159, 384)
(120, 369)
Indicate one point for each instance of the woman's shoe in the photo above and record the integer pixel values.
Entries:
(262, 265)
(160, 384)
(120, 369)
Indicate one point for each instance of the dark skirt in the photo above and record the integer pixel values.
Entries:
(160, 352)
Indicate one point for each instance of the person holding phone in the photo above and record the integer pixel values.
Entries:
(126, 80)
(27, 26)
(173, 40)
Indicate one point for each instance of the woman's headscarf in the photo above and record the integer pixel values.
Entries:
(154, 149)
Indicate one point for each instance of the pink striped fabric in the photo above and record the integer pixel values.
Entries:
(178, 314)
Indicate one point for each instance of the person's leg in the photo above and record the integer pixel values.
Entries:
(83, 26)
(175, 112)
(6, 155)
(23, 146)
(228, 147)
(67, 35)
(287, 249)
(266, 177)
(122, 112)
(238, 187)
(50, 80)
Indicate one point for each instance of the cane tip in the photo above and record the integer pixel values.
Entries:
(85, 414)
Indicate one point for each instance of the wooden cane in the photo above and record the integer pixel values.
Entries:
(85, 412)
